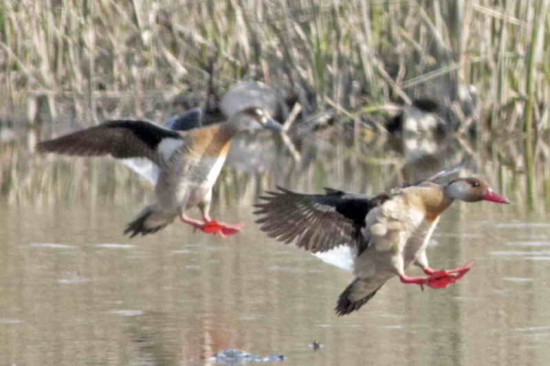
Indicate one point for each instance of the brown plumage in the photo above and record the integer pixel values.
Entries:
(187, 163)
(384, 233)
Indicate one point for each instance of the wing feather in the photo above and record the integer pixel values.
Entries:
(312, 221)
(121, 139)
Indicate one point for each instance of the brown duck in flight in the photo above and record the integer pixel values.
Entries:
(386, 232)
(187, 163)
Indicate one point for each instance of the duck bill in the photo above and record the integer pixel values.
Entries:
(495, 197)
(271, 124)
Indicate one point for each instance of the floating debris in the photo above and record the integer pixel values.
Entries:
(315, 345)
(233, 356)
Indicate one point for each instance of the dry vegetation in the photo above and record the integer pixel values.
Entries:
(356, 56)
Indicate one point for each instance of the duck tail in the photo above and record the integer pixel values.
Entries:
(148, 221)
(357, 294)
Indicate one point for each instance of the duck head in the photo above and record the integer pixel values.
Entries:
(254, 118)
(472, 190)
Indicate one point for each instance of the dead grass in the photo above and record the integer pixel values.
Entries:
(351, 53)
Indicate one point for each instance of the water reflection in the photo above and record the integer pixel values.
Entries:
(75, 291)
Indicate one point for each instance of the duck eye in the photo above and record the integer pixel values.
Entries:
(475, 184)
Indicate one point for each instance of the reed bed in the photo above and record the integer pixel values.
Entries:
(356, 55)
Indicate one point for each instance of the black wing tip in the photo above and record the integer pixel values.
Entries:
(63, 147)
(134, 231)
(42, 147)
(282, 190)
(269, 196)
(138, 226)
(346, 306)
(51, 146)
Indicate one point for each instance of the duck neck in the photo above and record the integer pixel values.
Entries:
(234, 125)
(435, 200)
(229, 129)
(213, 140)
(224, 136)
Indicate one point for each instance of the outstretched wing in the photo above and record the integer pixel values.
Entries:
(121, 139)
(317, 222)
(185, 121)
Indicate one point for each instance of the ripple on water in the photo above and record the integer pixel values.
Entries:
(518, 279)
(114, 246)
(127, 312)
(524, 225)
(540, 255)
(396, 326)
(457, 235)
(528, 243)
(538, 329)
(181, 251)
(51, 245)
(10, 321)
(73, 278)
(539, 258)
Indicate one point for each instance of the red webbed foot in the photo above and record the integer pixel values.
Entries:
(215, 227)
(210, 226)
(439, 279)
(462, 270)
(442, 278)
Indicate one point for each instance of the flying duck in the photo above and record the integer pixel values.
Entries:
(187, 163)
(385, 232)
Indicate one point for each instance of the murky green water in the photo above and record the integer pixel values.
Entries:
(74, 291)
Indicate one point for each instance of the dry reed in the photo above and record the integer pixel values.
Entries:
(353, 53)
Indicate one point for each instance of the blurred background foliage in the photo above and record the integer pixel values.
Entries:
(477, 58)
(476, 69)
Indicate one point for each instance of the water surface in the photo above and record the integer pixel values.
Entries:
(77, 292)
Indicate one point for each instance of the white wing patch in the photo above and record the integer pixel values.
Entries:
(340, 256)
(144, 167)
(215, 170)
(168, 147)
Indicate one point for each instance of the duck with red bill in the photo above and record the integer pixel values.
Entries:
(495, 197)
